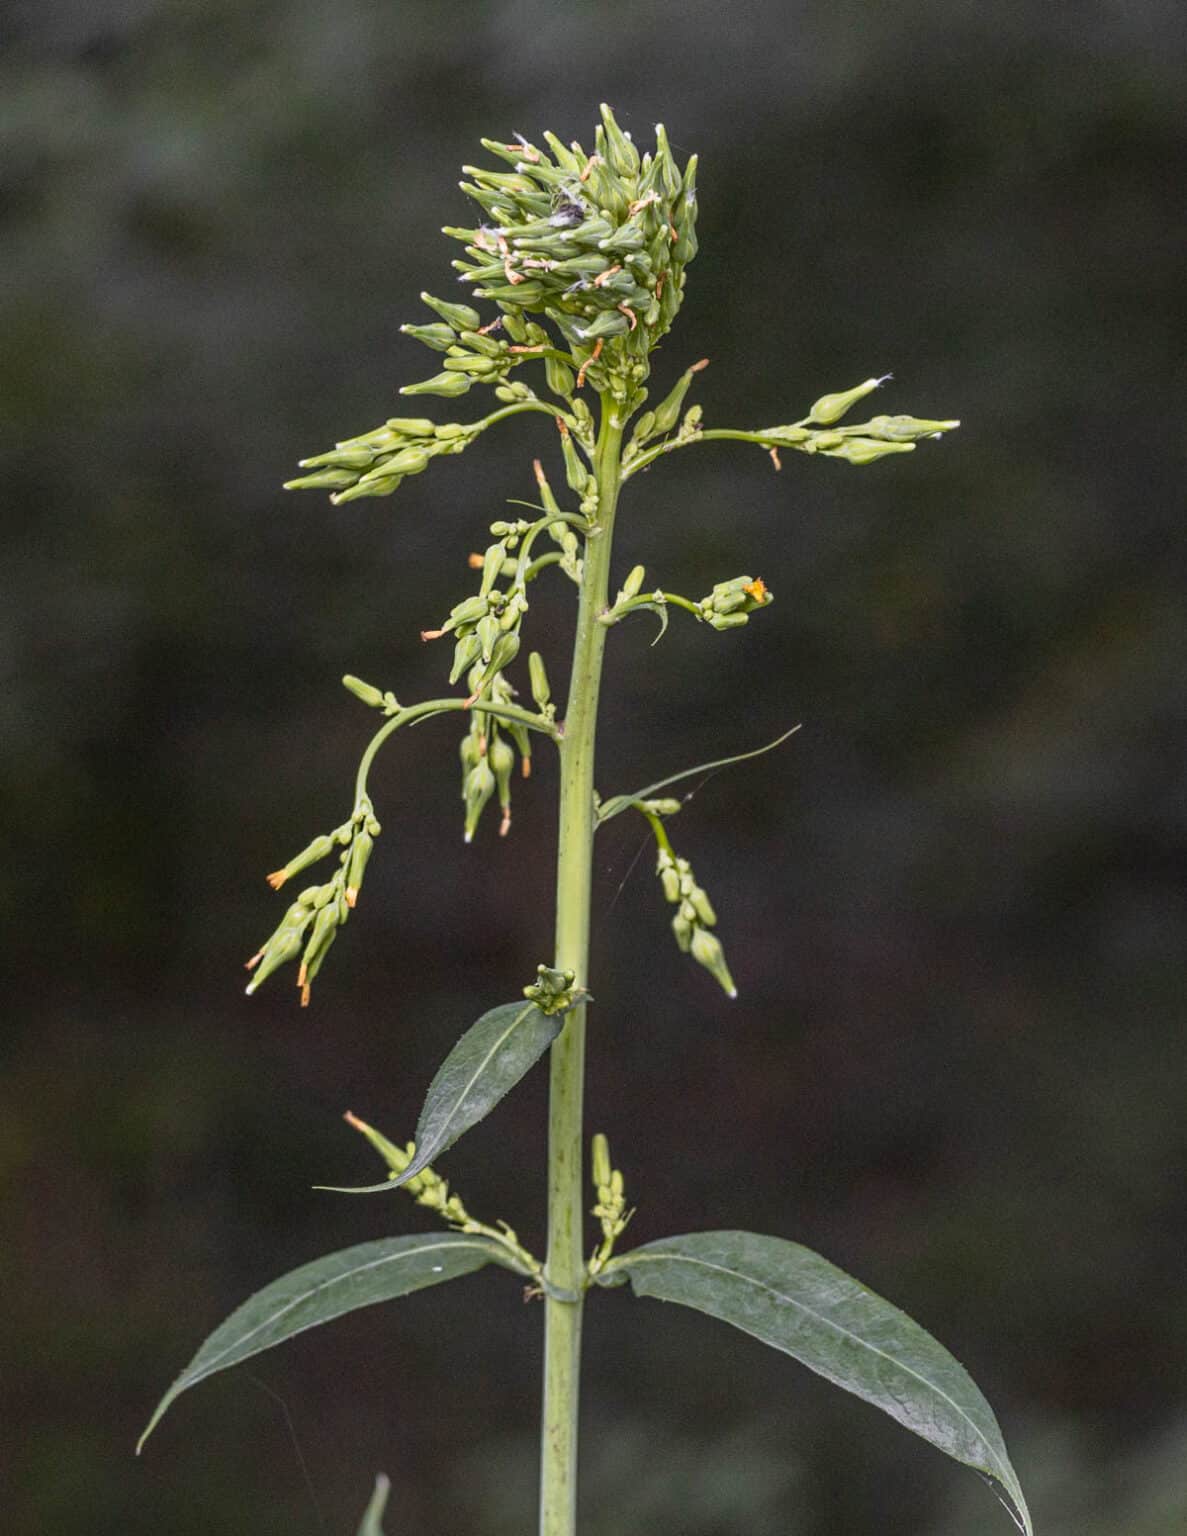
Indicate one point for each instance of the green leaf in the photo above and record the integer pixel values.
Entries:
(792, 1299)
(373, 1514)
(621, 803)
(482, 1068)
(329, 1287)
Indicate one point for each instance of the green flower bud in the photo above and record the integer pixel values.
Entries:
(395, 1157)
(683, 928)
(465, 653)
(342, 458)
(364, 691)
(526, 295)
(475, 366)
(668, 412)
(489, 346)
(470, 751)
(317, 850)
(438, 336)
(279, 950)
(492, 564)
(707, 951)
(539, 680)
(628, 237)
(322, 480)
(408, 461)
(902, 429)
(702, 906)
(448, 384)
(504, 652)
(488, 633)
(668, 806)
(480, 786)
(830, 408)
(864, 450)
(600, 1161)
(360, 852)
(376, 440)
(621, 153)
(366, 488)
(634, 582)
(559, 377)
(644, 428)
(608, 323)
(514, 324)
(670, 181)
(460, 316)
(502, 761)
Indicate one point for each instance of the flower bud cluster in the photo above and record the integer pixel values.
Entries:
(311, 924)
(429, 1189)
(376, 463)
(488, 758)
(611, 1208)
(486, 627)
(859, 444)
(695, 917)
(596, 242)
(731, 603)
(553, 991)
(426, 1187)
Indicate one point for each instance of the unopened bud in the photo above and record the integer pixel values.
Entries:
(465, 653)
(480, 786)
(608, 323)
(539, 680)
(438, 336)
(502, 761)
(360, 852)
(364, 691)
(830, 408)
(905, 429)
(622, 154)
(448, 384)
(317, 849)
(707, 951)
(558, 376)
(634, 582)
(864, 450)
(601, 1168)
(395, 1157)
(492, 564)
(460, 316)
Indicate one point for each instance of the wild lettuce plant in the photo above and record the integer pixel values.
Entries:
(579, 260)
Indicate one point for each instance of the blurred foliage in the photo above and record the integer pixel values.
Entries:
(954, 902)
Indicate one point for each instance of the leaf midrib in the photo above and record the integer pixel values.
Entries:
(442, 1244)
(425, 1154)
(838, 1328)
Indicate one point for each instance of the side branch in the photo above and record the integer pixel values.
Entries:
(414, 713)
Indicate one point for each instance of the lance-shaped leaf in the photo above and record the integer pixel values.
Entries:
(482, 1068)
(373, 1514)
(329, 1287)
(792, 1299)
(619, 803)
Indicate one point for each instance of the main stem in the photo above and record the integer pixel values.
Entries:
(565, 1268)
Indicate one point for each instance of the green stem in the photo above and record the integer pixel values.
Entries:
(564, 1273)
(766, 440)
(416, 712)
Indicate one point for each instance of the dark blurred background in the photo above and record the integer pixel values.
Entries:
(954, 901)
